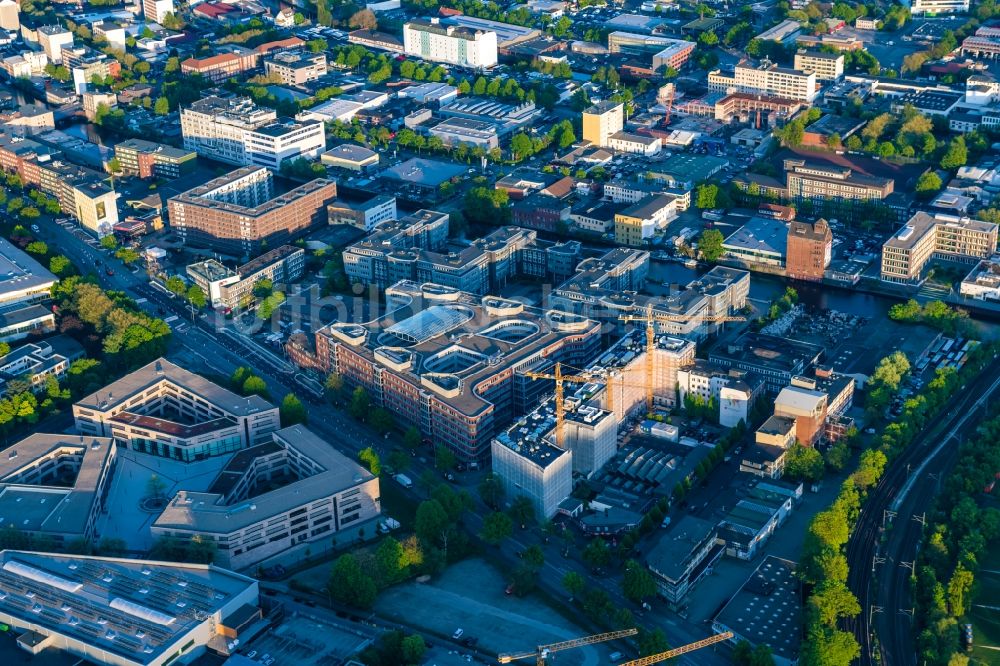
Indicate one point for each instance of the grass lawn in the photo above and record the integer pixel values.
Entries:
(986, 621)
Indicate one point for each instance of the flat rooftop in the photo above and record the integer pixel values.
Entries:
(19, 272)
(423, 172)
(162, 370)
(674, 548)
(760, 234)
(218, 513)
(447, 341)
(133, 609)
(766, 610)
(769, 351)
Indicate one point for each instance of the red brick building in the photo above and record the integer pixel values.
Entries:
(809, 250)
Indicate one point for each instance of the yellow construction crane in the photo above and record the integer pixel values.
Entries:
(650, 317)
(542, 651)
(560, 379)
(684, 649)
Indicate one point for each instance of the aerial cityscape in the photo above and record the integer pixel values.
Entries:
(438, 332)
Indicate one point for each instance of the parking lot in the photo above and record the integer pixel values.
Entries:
(303, 641)
(470, 595)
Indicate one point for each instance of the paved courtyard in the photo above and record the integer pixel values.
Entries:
(124, 518)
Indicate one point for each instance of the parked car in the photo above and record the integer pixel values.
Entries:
(458, 633)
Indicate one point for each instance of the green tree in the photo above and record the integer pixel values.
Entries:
(431, 523)
(805, 463)
(928, 185)
(381, 421)
(707, 195)
(637, 583)
(128, 256)
(412, 438)
(652, 642)
(491, 491)
(370, 459)
(497, 526)
(413, 649)
(292, 411)
(444, 459)
(174, 284)
(956, 155)
(162, 106)
(196, 296)
(255, 385)
(37, 247)
(710, 245)
(360, 404)
(389, 561)
(573, 583)
(832, 601)
(597, 554)
(349, 585)
(60, 265)
(270, 305)
(522, 511)
(829, 647)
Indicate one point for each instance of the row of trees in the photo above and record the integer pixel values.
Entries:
(824, 564)
(957, 542)
(937, 314)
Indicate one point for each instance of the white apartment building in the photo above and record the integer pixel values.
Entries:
(328, 493)
(52, 39)
(430, 40)
(733, 391)
(826, 66)
(156, 10)
(766, 78)
(239, 132)
(932, 7)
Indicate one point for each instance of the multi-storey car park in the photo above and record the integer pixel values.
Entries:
(164, 410)
(452, 363)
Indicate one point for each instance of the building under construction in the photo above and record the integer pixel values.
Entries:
(534, 459)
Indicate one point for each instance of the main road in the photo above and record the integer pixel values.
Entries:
(880, 571)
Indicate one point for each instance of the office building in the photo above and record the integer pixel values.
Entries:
(218, 68)
(681, 556)
(826, 66)
(227, 288)
(766, 78)
(53, 39)
(985, 43)
(664, 51)
(508, 35)
(756, 517)
(83, 193)
(636, 225)
(775, 359)
(34, 363)
(238, 212)
(809, 248)
(93, 101)
(451, 363)
(22, 279)
(237, 131)
(350, 156)
(925, 237)
(56, 486)
(982, 282)
(296, 68)
(734, 391)
(935, 7)
(413, 249)
(122, 612)
(471, 133)
(85, 63)
(157, 10)
(818, 182)
(163, 410)
(455, 45)
(146, 159)
(807, 408)
(289, 491)
(366, 214)
(777, 432)
(601, 121)
(10, 15)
